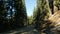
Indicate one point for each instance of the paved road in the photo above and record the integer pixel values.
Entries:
(24, 30)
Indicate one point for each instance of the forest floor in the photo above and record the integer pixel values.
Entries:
(25, 30)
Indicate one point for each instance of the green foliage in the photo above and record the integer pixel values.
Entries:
(57, 3)
(41, 13)
(19, 19)
(21, 15)
(30, 20)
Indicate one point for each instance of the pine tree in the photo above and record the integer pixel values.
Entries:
(21, 15)
(41, 14)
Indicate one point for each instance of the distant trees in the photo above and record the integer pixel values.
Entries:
(30, 20)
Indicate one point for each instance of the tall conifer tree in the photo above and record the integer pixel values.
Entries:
(21, 15)
(41, 14)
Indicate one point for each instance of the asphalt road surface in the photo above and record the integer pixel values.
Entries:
(25, 30)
